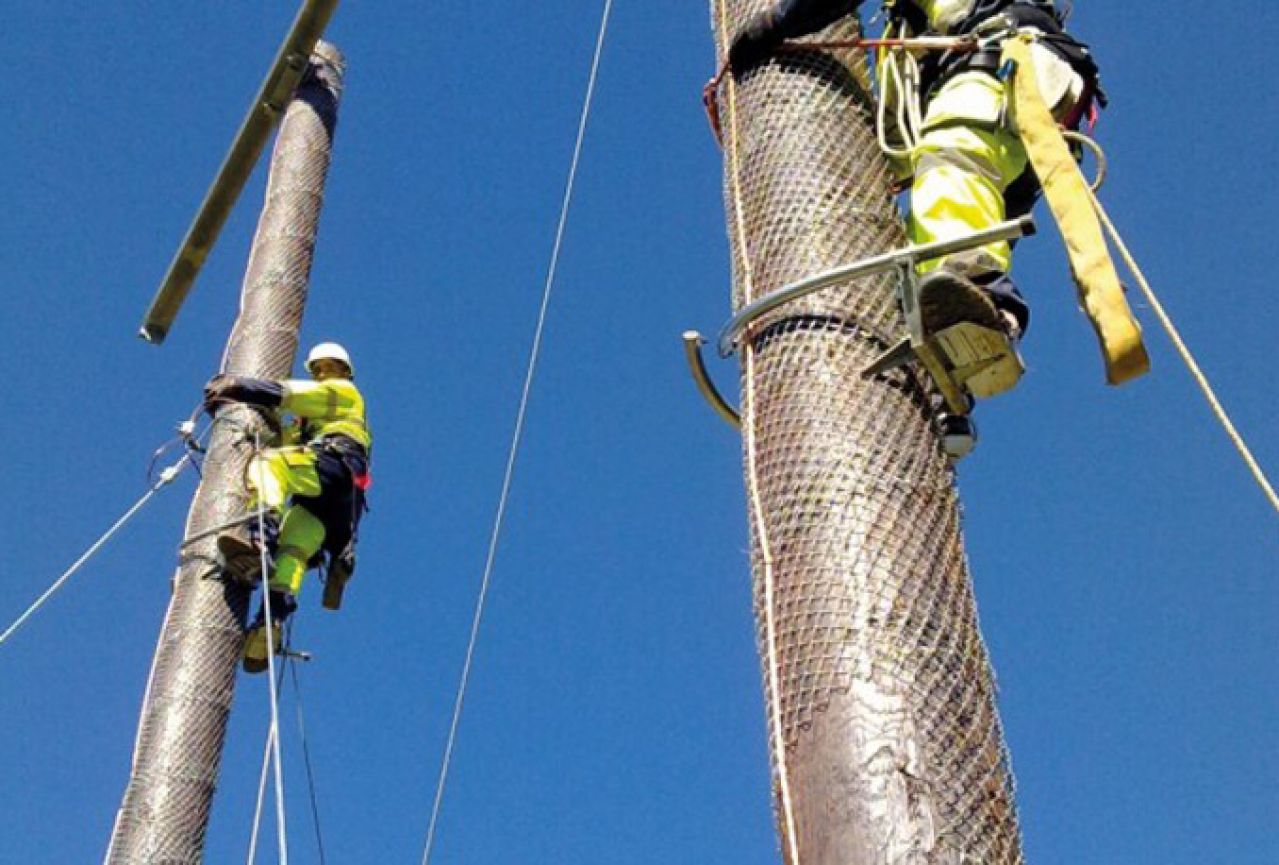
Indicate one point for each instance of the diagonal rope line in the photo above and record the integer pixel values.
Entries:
(269, 632)
(166, 477)
(306, 757)
(1187, 357)
(267, 751)
(517, 436)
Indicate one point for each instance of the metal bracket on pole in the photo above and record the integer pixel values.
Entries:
(915, 346)
(263, 117)
(910, 256)
(693, 342)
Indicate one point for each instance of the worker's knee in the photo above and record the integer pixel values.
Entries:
(302, 531)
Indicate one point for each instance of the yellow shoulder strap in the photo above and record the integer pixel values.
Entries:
(1066, 191)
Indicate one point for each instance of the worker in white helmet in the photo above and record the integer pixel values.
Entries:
(313, 486)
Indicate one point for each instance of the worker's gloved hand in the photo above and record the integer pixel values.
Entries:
(754, 43)
(215, 393)
(223, 389)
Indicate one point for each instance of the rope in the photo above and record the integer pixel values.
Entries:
(757, 508)
(1188, 358)
(306, 757)
(166, 477)
(269, 626)
(518, 433)
(257, 809)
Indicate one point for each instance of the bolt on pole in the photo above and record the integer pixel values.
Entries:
(165, 812)
(885, 739)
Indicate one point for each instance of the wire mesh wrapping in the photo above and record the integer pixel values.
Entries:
(166, 806)
(887, 746)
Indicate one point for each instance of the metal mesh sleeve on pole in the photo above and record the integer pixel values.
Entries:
(165, 812)
(886, 742)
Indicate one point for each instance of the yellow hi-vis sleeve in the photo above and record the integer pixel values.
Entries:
(1066, 191)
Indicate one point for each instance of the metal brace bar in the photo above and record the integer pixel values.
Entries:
(693, 342)
(216, 530)
(911, 255)
(263, 117)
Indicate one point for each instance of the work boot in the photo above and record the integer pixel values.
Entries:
(973, 334)
(255, 651)
(255, 655)
(241, 550)
(947, 297)
(241, 555)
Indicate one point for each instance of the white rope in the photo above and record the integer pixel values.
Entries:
(268, 625)
(776, 733)
(516, 437)
(900, 77)
(166, 477)
(257, 809)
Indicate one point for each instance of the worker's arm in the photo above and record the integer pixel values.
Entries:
(223, 389)
(319, 400)
(789, 19)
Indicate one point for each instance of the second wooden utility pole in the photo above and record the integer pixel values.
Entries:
(176, 760)
(887, 747)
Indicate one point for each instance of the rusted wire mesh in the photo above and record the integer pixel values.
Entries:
(176, 760)
(887, 745)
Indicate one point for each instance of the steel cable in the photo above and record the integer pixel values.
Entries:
(517, 435)
(166, 477)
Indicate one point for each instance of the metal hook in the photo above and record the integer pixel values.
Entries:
(693, 342)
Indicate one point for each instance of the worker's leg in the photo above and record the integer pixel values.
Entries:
(301, 536)
(277, 473)
(272, 477)
(965, 161)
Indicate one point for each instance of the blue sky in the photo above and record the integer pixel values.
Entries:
(1124, 562)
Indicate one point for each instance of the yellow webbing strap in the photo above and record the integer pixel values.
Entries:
(1066, 191)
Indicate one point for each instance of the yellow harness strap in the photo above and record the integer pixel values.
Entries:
(1066, 191)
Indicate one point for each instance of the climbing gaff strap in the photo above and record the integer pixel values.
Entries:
(1067, 193)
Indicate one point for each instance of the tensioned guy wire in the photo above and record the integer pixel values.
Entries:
(166, 477)
(518, 433)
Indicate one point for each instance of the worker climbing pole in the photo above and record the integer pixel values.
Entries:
(166, 806)
(886, 741)
(312, 489)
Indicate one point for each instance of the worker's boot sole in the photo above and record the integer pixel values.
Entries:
(255, 648)
(241, 558)
(971, 333)
(983, 361)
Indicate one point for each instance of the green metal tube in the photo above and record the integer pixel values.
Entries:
(263, 117)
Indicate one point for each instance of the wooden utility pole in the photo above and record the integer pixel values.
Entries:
(165, 812)
(886, 742)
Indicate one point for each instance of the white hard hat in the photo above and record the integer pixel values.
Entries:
(328, 351)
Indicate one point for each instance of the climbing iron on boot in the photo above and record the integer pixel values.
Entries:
(241, 556)
(970, 332)
(964, 339)
(240, 549)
